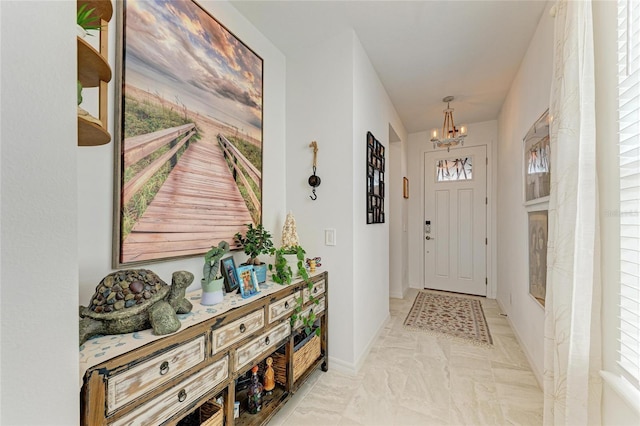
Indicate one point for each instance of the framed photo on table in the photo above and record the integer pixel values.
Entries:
(228, 266)
(247, 281)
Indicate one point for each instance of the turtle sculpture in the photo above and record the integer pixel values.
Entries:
(134, 300)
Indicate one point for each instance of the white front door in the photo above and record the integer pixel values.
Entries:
(455, 220)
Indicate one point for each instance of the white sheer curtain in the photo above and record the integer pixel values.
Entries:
(572, 349)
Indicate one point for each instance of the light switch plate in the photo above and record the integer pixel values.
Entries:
(329, 237)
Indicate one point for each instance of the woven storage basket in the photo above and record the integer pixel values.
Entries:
(211, 414)
(302, 359)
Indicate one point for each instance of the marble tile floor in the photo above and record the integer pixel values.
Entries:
(413, 378)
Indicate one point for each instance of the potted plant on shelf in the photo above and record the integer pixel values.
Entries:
(212, 282)
(289, 257)
(86, 20)
(255, 242)
(290, 244)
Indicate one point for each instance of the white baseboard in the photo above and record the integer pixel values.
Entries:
(352, 368)
(399, 294)
(536, 372)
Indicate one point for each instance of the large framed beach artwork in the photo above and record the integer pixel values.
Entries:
(188, 138)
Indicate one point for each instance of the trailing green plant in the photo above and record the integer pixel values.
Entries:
(212, 261)
(86, 19)
(255, 242)
(79, 92)
(281, 271)
(309, 320)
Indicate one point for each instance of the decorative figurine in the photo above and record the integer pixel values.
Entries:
(254, 393)
(133, 300)
(289, 233)
(269, 377)
(313, 263)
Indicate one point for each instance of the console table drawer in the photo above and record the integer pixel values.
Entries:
(124, 387)
(317, 309)
(282, 307)
(246, 353)
(185, 393)
(317, 290)
(235, 331)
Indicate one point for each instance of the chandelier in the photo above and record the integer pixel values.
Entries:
(450, 136)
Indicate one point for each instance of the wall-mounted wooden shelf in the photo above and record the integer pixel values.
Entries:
(92, 66)
(90, 131)
(94, 71)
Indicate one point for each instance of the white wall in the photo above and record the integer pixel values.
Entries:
(374, 112)
(95, 166)
(484, 133)
(528, 98)
(397, 216)
(39, 273)
(334, 97)
(319, 107)
(614, 410)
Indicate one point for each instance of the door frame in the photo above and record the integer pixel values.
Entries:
(479, 237)
(491, 264)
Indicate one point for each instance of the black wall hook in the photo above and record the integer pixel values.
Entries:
(314, 180)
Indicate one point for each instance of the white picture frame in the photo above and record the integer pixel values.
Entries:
(537, 162)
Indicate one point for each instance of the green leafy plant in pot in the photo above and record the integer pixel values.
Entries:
(256, 241)
(87, 20)
(290, 249)
(282, 268)
(213, 282)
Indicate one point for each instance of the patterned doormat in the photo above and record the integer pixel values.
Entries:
(448, 315)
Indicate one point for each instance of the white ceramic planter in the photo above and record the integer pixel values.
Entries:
(212, 292)
(82, 33)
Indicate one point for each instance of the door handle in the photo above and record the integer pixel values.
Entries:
(428, 237)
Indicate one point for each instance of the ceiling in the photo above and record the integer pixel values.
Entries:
(421, 50)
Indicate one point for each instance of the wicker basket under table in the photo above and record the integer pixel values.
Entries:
(302, 359)
(211, 414)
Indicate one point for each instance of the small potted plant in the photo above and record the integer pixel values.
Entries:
(256, 241)
(86, 20)
(212, 282)
(290, 242)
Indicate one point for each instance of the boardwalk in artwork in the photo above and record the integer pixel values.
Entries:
(198, 205)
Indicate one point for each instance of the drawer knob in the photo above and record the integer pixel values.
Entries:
(315, 290)
(286, 304)
(267, 341)
(164, 368)
(242, 328)
(182, 395)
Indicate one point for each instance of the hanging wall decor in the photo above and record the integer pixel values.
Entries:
(314, 180)
(538, 235)
(537, 162)
(375, 180)
(188, 139)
